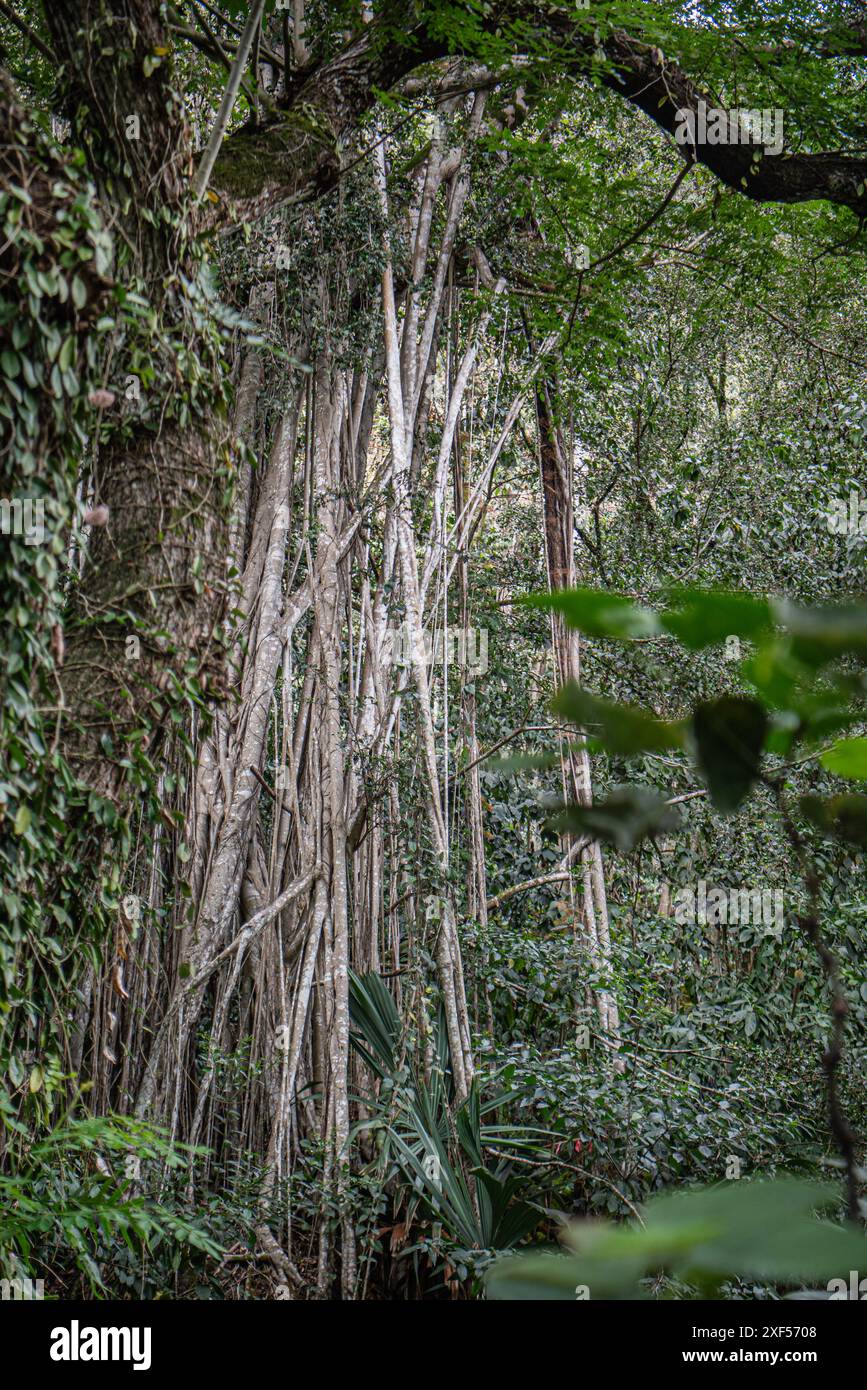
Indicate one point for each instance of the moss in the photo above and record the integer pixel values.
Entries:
(284, 153)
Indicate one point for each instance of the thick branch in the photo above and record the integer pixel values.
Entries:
(661, 89)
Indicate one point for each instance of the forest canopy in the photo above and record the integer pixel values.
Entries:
(432, 536)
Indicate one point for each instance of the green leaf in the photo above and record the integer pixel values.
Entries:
(821, 713)
(629, 815)
(820, 635)
(701, 619)
(848, 758)
(67, 354)
(729, 735)
(375, 1016)
(621, 729)
(843, 816)
(597, 613)
(22, 820)
(764, 1230)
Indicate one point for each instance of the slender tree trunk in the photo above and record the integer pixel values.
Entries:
(559, 551)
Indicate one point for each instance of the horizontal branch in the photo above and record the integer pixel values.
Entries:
(559, 876)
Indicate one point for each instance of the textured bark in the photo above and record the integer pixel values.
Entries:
(102, 47)
(447, 945)
(295, 156)
(331, 407)
(239, 744)
(557, 522)
(162, 483)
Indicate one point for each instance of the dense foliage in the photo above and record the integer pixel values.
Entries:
(435, 650)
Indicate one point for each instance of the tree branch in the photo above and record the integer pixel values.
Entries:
(29, 34)
(660, 88)
(203, 173)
